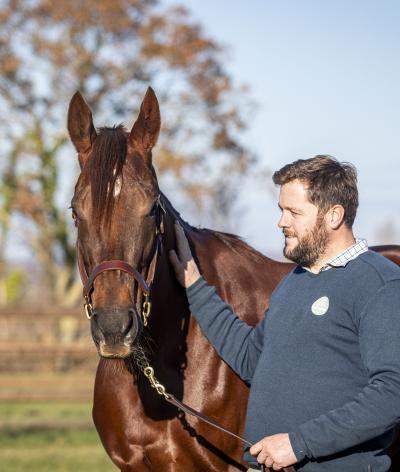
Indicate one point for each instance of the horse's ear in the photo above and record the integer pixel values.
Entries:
(80, 126)
(145, 131)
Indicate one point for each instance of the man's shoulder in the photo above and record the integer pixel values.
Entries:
(374, 265)
(367, 278)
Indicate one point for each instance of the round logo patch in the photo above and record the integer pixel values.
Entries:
(320, 306)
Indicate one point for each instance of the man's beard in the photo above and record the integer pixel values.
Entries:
(310, 247)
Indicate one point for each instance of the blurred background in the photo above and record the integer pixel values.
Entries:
(244, 88)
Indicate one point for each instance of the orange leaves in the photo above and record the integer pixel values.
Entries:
(111, 50)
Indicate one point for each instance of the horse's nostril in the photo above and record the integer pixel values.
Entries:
(136, 326)
(95, 318)
(129, 324)
(95, 327)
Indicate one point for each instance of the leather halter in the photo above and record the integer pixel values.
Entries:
(116, 264)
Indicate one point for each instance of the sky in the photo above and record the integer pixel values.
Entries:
(325, 77)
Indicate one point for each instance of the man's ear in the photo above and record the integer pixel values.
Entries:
(80, 126)
(335, 216)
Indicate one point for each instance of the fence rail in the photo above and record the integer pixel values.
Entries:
(52, 341)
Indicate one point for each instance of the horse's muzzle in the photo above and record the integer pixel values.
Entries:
(115, 332)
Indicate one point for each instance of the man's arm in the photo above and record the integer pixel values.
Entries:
(235, 341)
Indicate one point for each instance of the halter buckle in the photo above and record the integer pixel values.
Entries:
(88, 308)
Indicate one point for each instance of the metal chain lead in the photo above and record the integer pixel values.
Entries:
(148, 371)
(146, 309)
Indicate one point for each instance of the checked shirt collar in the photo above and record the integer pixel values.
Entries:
(346, 256)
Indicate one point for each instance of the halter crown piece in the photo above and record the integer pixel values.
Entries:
(116, 264)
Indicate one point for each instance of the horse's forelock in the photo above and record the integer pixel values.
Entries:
(106, 163)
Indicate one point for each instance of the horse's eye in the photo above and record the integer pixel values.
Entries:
(74, 216)
(152, 212)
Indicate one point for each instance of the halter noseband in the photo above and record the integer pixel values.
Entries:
(116, 264)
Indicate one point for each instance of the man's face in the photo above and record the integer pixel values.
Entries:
(306, 235)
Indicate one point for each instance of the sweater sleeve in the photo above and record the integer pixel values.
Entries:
(234, 340)
(376, 409)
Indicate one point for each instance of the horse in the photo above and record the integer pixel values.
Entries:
(139, 315)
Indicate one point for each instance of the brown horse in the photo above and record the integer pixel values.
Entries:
(121, 215)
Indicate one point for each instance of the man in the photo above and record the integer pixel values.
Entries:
(324, 363)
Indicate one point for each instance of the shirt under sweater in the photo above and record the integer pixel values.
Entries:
(323, 364)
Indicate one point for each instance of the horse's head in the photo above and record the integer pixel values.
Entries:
(116, 210)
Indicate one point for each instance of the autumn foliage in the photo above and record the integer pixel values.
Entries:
(109, 50)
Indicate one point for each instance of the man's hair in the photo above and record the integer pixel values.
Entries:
(328, 182)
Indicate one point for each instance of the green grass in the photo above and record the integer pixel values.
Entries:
(56, 436)
(20, 411)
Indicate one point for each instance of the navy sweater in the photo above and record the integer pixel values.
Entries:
(323, 364)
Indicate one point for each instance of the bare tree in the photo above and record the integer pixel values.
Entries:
(110, 50)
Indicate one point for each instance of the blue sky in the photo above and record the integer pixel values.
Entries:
(325, 76)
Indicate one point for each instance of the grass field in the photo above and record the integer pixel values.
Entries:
(43, 435)
(46, 390)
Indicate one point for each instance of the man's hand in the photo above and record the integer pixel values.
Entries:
(186, 270)
(274, 451)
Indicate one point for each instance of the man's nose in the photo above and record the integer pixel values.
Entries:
(283, 221)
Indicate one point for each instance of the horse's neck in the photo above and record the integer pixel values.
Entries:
(238, 271)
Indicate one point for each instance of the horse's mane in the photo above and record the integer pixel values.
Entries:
(232, 241)
(108, 158)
